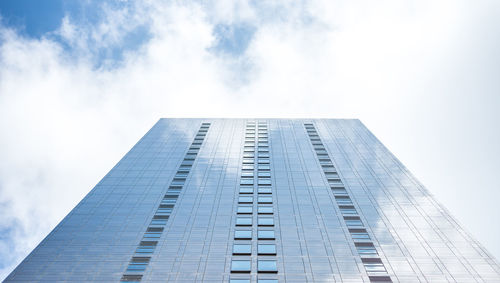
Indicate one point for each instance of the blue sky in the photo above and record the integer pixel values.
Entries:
(43, 19)
(38, 19)
(82, 81)
(35, 18)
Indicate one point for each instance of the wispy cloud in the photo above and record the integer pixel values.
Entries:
(422, 75)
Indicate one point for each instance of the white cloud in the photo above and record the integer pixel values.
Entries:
(422, 75)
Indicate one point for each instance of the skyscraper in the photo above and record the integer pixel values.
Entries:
(258, 200)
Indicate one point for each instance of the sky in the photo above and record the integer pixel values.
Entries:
(82, 81)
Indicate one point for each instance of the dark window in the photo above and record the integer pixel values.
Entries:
(131, 278)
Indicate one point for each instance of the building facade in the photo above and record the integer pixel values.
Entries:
(258, 200)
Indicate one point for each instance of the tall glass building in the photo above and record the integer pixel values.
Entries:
(258, 200)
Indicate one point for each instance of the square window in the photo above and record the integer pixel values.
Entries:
(379, 278)
(138, 264)
(242, 249)
(190, 156)
(327, 166)
(266, 249)
(181, 174)
(246, 190)
(339, 191)
(374, 267)
(240, 266)
(248, 154)
(145, 249)
(336, 184)
(244, 209)
(243, 221)
(242, 235)
(348, 210)
(265, 199)
(164, 209)
(267, 281)
(133, 278)
(329, 169)
(247, 167)
(267, 266)
(247, 174)
(352, 221)
(263, 161)
(246, 182)
(343, 200)
(239, 280)
(174, 190)
(264, 182)
(158, 222)
(332, 175)
(365, 248)
(265, 235)
(265, 221)
(359, 234)
(152, 235)
(168, 201)
(264, 190)
(265, 209)
(263, 167)
(245, 199)
(248, 160)
(154, 229)
(264, 175)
